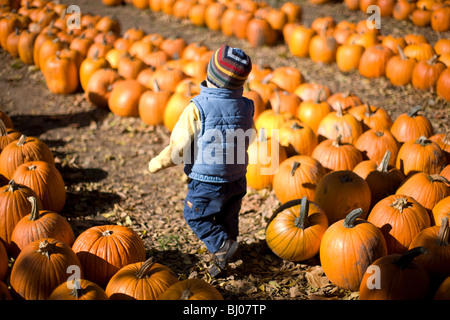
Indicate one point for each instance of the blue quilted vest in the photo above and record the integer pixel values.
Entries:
(218, 152)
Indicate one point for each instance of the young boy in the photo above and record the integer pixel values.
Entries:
(211, 138)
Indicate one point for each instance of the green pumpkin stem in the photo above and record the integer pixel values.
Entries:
(296, 126)
(34, 209)
(302, 220)
(439, 178)
(12, 186)
(384, 163)
(444, 233)
(145, 268)
(405, 259)
(350, 219)
(295, 166)
(423, 141)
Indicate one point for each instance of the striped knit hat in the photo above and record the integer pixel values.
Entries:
(228, 68)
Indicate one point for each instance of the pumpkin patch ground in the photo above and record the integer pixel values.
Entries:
(103, 157)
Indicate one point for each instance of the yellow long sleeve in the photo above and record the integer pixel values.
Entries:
(180, 139)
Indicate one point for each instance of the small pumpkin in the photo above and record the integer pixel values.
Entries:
(340, 191)
(375, 143)
(88, 68)
(400, 277)
(100, 85)
(443, 84)
(45, 180)
(334, 154)
(191, 289)
(372, 117)
(40, 224)
(399, 68)
(124, 98)
(400, 218)
(421, 155)
(140, 281)
(427, 189)
(61, 74)
(296, 177)
(436, 240)
(340, 123)
(311, 112)
(23, 150)
(440, 210)
(295, 230)
(7, 135)
(152, 105)
(411, 125)
(383, 179)
(297, 138)
(374, 60)
(426, 73)
(348, 247)
(78, 289)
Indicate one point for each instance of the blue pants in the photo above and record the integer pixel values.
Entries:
(212, 210)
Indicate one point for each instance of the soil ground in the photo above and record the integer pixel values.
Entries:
(103, 158)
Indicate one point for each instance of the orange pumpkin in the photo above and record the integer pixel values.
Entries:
(124, 98)
(191, 289)
(295, 230)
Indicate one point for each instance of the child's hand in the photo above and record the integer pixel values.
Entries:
(154, 165)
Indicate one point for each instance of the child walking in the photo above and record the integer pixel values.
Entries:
(211, 138)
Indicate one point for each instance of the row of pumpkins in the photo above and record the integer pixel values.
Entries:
(314, 112)
(48, 261)
(352, 46)
(421, 13)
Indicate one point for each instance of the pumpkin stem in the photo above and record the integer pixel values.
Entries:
(408, 256)
(345, 178)
(46, 248)
(186, 294)
(413, 111)
(22, 140)
(350, 219)
(338, 141)
(400, 204)
(156, 87)
(295, 166)
(77, 291)
(383, 166)
(3, 129)
(296, 126)
(302, 220)
(107, 233)
(446, 139)
(438, 178)
(379, 133)
(145, 268)
(401, 53)
(444, 233)
(423, 141)
(34, 209)
(12, 186)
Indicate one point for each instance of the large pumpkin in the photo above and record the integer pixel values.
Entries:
(45, 180)
(339, 192)
(23, 150)
(103, 250)
(140, 281)
(396, 277)
(348, 247)
(41, 267)
(295, 231)
(40, 224)
(191, 289)
(400, 218)
(296, 177)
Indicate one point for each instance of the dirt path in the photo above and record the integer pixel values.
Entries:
(103, 159)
